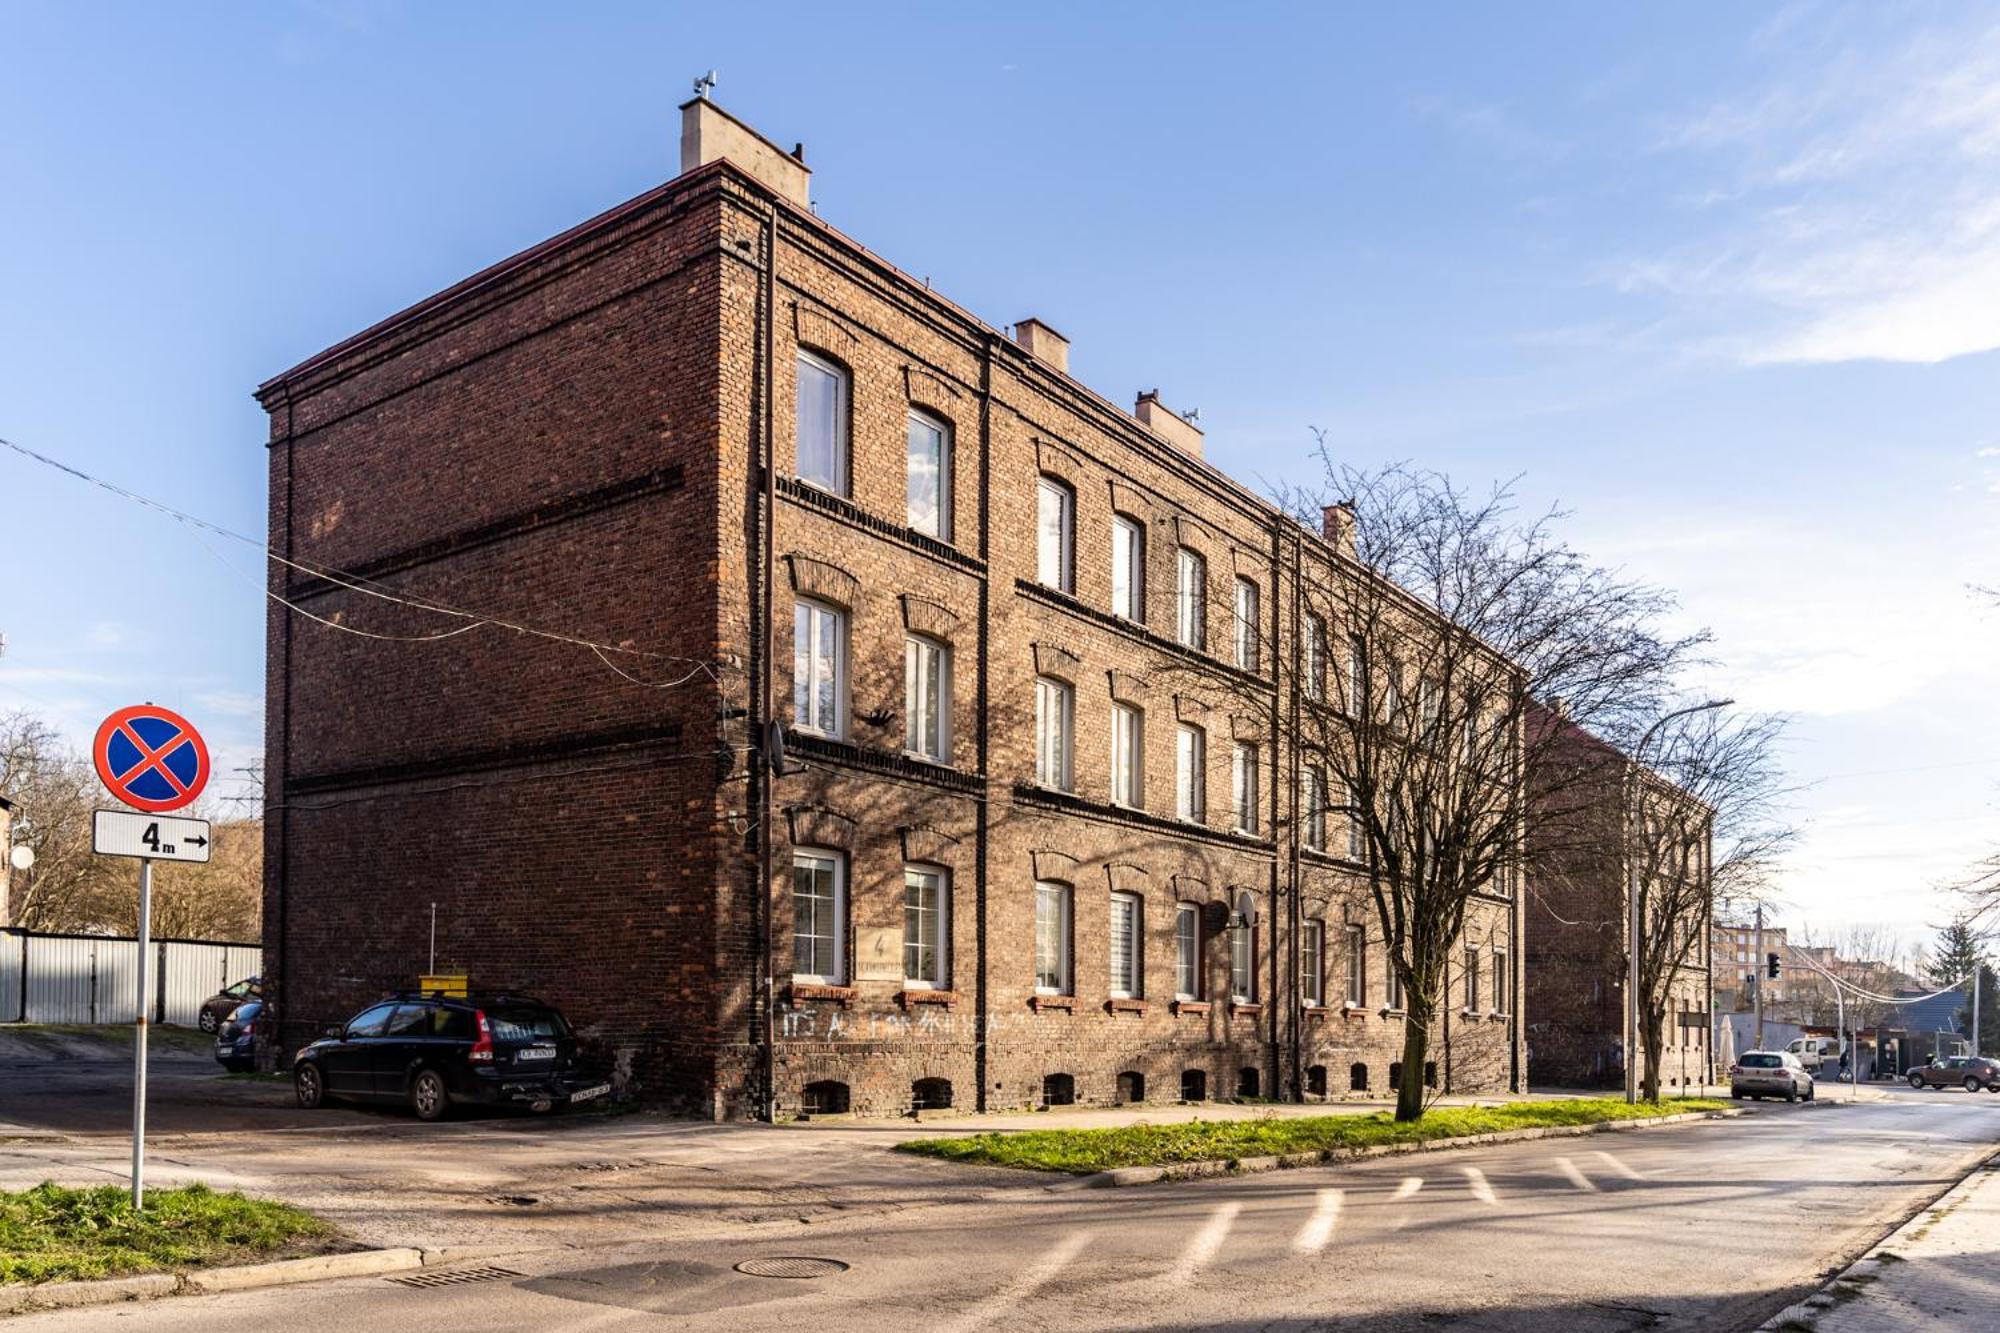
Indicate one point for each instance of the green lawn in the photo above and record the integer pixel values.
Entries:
(1085, 1150)
(54, 1234)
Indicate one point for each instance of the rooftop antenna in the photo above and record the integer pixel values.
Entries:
(704, 85)
(1191, 416)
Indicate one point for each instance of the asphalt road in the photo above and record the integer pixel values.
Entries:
(1705, 1226)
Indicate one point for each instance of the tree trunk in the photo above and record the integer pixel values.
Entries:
(1416, 1046)
(1649, 1088)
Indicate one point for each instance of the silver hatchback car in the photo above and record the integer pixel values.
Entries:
(1770, 1074)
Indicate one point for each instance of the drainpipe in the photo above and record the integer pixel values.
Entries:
(1296, 1009)
(1278, 992)
(980, 1000)
(760, 686)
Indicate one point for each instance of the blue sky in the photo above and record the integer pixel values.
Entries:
(1722, 279)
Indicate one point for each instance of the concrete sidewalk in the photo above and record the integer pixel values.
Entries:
(1940, 1270)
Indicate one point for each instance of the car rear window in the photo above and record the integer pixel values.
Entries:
(525, 1022)
(1761, 1062)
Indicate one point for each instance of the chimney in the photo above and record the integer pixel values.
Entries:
(1337, 526)
(1043, 343)
(1176, 430)
(708, 134)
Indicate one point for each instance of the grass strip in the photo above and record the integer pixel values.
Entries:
(55, 1234)
(1082, 1151)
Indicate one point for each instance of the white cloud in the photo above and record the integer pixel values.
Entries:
(1853, 206)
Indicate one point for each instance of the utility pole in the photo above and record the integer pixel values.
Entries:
(1977, 968)
(1757, 977)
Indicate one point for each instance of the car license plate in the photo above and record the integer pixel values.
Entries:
(586, 1094)
(537, 1053)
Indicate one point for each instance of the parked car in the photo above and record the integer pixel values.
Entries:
(1971, 1072)
(223, 1003)
(236, 1041)
(1770, 1074)
(432, 1052)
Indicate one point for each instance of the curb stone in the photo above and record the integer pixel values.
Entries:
(282, 1272)
(1869, 1267)
(1147, 1175)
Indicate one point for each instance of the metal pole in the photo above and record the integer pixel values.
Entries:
(1977, 968)
(1632, 927)
(1758, 975)
(434, 939)
(139, 1042)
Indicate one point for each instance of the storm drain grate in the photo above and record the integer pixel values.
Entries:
(784, 1265)
(456, 1277)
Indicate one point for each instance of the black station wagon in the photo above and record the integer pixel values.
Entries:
(432, 1052)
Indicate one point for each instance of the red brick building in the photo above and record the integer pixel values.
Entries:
(1030, 838)
(1602, 824)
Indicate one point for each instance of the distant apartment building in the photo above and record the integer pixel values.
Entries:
(1740, 964)
(1592, 845)
(913, 729)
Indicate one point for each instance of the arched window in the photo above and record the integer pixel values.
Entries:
(1316, 1080)
(930, 1094)
(1194, 1085)
(1243, 950)
(930, 476)
(1357, 1077)
(821, 440)
(1058, 1090)
(1247, 1081)
(1131, 1086)
(1430, 1073)
(927, 698)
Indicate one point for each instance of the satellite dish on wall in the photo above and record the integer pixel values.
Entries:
(22, 857)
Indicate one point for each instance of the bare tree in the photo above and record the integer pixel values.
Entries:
(1425, 625)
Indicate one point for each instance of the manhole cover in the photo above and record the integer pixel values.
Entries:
(779, 1265)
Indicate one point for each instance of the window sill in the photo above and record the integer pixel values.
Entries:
(1189, 1006)
(1126, 1004)
(806, 991)
(1354, 1010)
(1394, 1012)
(1066, 1003)
(911, 998)
(1244, 1008)
(1318, 1011)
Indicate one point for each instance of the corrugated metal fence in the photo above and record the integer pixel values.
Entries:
(93, 978)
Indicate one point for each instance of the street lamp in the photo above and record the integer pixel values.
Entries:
(1632, 915)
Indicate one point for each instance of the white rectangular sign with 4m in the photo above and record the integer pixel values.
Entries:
(152, 837)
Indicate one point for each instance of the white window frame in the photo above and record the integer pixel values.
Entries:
(1357, 833)
(938, 924)
(1471, 979)
(1128, 756)
(837, 975)
(1049, 490)
(940, 432)
(1059, 897)
(1055, 733)
(1128, 974)
(1503, 990)
(809, 644)
(1191, 599)
(1315, 658)
(1357, 966)
(1357, 675)
(1312, 797)
(1128, 568)
(1245, 763)
(1312, 963)
(926, 671)
(1243, 952)
(1392, 984)
(1248, 599)
(1187, 952)
(1190, 773)
(839, 483)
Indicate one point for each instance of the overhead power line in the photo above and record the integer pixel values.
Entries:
(371, 588)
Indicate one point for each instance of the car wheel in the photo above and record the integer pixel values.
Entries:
(428, 1096)
(1735, 1096)
(1972, 1085)
(1812, 1092)
(309, 1086)
(1791, 1094)
(207, 1021)
(1917, 1082)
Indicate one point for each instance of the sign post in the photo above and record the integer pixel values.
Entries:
(153, 760)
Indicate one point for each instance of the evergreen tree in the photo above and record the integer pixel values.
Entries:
(1957, 953)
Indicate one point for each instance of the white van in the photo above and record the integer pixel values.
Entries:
(1813, 1052)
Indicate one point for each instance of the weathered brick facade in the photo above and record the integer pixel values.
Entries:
(576, 440)
(1578, 921)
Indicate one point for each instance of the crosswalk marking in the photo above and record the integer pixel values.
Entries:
(1481, 1190)
(1575, 1174)
(1410, 1185)
(1318, 1230)
(1618, 1166)
(1052, 1262)
(1206, 1242)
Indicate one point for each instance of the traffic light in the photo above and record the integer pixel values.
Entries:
(1772, 966)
